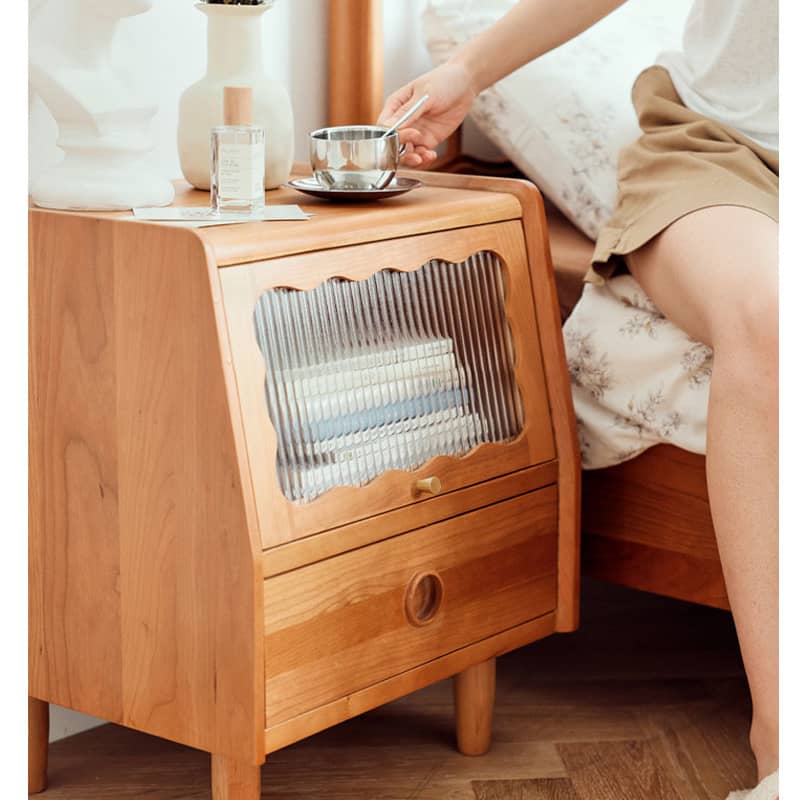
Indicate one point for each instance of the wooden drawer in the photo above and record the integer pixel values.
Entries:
(352, 620)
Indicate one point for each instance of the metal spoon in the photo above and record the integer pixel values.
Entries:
(410, 113)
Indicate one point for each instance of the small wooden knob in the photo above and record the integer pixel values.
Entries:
(423, 598)
(430, 485)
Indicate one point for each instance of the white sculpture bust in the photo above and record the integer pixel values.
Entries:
(103, 128)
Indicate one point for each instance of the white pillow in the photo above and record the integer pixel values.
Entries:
(563, 118)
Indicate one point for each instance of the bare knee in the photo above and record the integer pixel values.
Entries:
(744, 333)
(714, 273)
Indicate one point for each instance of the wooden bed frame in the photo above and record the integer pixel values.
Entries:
(646, 523)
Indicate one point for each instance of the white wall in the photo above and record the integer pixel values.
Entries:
(405, 55)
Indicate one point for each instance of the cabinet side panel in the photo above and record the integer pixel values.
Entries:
(74, 593)
(191, 584)
(563, 412)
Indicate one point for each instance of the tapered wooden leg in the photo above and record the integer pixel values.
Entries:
(38, 734)
(473, 690)
(234, 780)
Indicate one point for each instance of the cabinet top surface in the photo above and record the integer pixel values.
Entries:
(444, 202)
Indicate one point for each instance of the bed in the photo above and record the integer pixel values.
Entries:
(646, 522)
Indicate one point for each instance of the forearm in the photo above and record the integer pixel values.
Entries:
(527, 31)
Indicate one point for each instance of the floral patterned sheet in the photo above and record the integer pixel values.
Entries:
(637, 379)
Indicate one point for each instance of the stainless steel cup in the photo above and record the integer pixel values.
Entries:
(354, 157)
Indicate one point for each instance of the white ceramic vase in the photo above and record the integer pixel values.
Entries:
(235, 59)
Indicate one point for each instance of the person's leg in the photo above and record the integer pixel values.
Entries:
(714, 273)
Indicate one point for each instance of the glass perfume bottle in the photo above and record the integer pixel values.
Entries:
(237, 156)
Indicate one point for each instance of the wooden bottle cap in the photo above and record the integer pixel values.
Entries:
(238, 105)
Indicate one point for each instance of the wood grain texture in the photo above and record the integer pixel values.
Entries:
(74, 634)
(424, 210)
(355, 62)
(639, 770)
(646, 490)
(188, 558)
(38, 734)
(283, 521)
(390, 689)
(654, 569)
(428, 209)
(348, 537)
(141, 529)
(545, 789)
(234, 780)
(571, 253)
(648, 525)
(337, 626)
(473, 699)
(454, 161)
(704, 747)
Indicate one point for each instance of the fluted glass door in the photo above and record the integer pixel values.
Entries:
(386, 373)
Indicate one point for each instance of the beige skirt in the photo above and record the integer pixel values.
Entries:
(682, 162)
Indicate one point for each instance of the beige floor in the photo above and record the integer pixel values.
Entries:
(646, 702)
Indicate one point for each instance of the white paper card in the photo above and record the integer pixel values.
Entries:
(197, 216)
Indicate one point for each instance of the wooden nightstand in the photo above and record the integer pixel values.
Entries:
(282, 473)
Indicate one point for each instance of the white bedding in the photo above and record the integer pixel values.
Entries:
(637, 379)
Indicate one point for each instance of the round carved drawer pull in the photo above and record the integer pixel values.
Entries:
(430, 485)
(423, 598)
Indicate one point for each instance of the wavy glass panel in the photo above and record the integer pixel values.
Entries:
(386, 373)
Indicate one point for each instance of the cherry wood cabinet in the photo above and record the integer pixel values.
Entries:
(281, 473)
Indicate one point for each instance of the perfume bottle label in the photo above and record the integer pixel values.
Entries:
(241, 170)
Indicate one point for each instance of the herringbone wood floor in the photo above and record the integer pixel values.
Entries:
(646, 702)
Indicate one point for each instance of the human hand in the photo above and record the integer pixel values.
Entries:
(450, 96)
